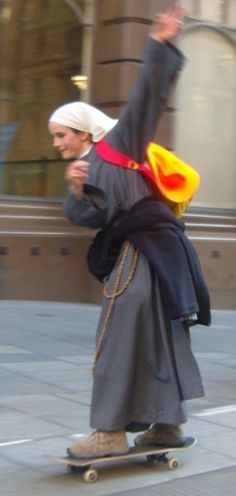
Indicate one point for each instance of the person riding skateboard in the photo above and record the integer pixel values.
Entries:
(144, 368)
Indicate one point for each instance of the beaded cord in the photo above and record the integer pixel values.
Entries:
(117, 291)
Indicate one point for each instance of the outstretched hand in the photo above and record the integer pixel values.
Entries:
(168, 24)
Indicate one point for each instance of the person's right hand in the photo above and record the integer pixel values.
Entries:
(168, 24)
(76, 173)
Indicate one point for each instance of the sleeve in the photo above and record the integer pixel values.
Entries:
(139, 119)
(90, 211)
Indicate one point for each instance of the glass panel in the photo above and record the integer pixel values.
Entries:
(231, 13)
(212, 10)
(206, 117)
(41, 49)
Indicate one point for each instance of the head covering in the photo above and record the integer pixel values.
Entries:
(84, 117)
(176, 180)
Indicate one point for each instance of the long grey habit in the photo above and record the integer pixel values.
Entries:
(146, 368)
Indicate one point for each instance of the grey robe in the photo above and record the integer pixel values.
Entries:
(145, 367)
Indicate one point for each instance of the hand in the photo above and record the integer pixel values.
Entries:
(76, 174)
(168, 24)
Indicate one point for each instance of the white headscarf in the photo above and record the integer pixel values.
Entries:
(84, 117)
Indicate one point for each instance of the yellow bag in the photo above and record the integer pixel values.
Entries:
(174, 179)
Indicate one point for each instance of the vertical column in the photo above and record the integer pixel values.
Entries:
(119, 43)
(87, 46)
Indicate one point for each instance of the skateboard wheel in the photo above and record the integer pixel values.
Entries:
(91, 476)
(173, 463)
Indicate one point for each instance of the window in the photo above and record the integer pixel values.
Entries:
(231, 13)
(206, 115)
(41, 45)
(212, 10)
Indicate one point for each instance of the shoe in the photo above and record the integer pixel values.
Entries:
(100, 443)
(161, 435)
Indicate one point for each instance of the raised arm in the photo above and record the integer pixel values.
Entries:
(162, 61)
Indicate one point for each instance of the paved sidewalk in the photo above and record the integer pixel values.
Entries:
(46, 352)
(210, 484)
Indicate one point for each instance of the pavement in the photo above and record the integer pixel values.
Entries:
(46, 354)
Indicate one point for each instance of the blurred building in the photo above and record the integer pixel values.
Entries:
(56, 51)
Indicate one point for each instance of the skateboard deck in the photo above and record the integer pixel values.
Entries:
(151, 453)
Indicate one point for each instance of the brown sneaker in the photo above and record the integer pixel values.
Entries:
(100, 443)
(161, 435)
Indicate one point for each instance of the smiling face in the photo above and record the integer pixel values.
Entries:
(69, 142)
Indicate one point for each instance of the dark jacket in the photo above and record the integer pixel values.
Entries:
(151, 226)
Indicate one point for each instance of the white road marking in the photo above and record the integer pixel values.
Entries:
(216, 411)
(19, 441)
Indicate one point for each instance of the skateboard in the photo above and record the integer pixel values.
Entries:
(151, 453)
